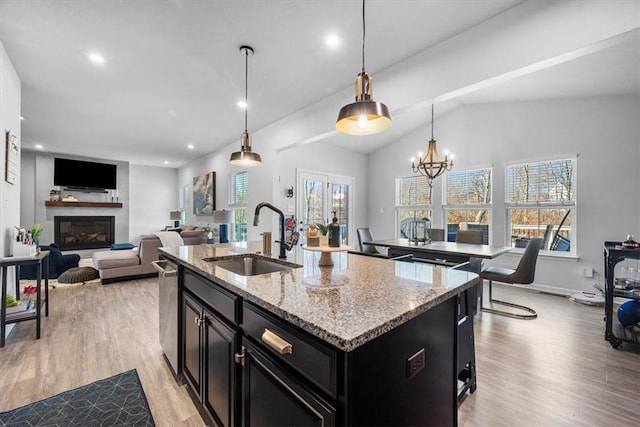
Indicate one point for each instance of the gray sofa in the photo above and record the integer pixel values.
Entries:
(120, 265)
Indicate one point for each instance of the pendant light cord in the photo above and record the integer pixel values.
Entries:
(364, 31)
(246, 87)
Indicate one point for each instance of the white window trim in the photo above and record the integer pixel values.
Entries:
(471, 206)
(563, 204)
(417, 207)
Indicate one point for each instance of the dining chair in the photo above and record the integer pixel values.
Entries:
(364, 235)
(524, 274)
(469, 236)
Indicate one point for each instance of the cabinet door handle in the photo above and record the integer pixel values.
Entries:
(276, 343)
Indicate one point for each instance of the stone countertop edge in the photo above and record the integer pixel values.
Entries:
(347, 339)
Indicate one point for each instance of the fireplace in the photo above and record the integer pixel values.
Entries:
(84, 232)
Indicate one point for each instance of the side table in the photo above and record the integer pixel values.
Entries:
(32, 314)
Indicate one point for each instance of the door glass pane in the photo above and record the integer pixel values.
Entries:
(340, 204)
(313, 202)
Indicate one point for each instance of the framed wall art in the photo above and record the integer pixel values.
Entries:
(204, 194)
(12, 169)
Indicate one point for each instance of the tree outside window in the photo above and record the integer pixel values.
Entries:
(413, 203)
(541, 202)
(467, 201)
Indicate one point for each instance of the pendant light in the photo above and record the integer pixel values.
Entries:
(432, 165)
(365, 116)
(245, 157)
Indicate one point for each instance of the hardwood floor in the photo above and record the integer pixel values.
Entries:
(556, 370)
(92, 332)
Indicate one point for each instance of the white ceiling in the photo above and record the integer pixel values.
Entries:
(173, 72)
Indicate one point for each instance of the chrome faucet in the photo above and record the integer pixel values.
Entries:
(284, 246)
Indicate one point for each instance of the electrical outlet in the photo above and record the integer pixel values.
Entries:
(415, 363)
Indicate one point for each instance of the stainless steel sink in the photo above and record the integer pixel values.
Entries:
(252, 265)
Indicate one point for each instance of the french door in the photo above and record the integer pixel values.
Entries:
(319, 195)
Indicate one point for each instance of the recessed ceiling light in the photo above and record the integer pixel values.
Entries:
(190, 146)
(21, 118)
(39, 147)
(166, 162)
(242, 104)
(333, 41)
(96, 58)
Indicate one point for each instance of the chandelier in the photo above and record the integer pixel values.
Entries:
(432, 165)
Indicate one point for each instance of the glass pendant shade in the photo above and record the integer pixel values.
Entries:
(245, 157)
(365, 116)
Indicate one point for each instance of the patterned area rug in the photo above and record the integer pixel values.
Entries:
(115, 401)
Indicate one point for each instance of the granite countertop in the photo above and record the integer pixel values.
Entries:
(346, 305)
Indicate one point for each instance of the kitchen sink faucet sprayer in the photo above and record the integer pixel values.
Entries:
(284, 246)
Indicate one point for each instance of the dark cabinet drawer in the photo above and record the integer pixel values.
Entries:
(309, 357)
(224, 302)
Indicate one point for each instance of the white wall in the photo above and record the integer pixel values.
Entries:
(153, 193)
(602, 131)
(10, 104)
(266, 183)
(9, 120)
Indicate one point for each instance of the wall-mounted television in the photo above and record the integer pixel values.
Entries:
(84, 176)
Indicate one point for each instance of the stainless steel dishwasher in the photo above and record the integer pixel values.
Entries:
(168, 310)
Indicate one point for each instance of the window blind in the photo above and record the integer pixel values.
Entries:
(413, 190)
(540, 182)
(468, 187)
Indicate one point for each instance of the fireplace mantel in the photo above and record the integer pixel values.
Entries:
(53, 204)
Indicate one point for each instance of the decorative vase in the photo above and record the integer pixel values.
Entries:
(26, 302)
(324, 240)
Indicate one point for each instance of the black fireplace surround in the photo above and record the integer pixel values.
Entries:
(84, 232)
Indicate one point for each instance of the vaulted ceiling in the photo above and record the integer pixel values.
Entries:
(173, 73)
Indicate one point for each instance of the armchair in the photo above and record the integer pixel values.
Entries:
(58, 263)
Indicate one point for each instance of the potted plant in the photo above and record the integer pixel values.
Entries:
(324, 229)
(35, 231)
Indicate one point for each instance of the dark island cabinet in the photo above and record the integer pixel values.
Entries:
(246, 366)
(209, 361)
(271, 396)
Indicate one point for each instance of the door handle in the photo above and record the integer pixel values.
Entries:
(276, 342)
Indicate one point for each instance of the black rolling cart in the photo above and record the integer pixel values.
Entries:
(614, 332)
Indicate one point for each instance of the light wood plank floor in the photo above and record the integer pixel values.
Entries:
(556, 370)
(92, 332)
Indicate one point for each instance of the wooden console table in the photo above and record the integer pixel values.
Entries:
(31, 314)
(52, 204)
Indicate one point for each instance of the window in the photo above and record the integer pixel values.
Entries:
(467, 202)
(413, 204)
(238, 203)
(540, 200)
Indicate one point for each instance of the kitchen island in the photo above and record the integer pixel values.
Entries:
(367, 341)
